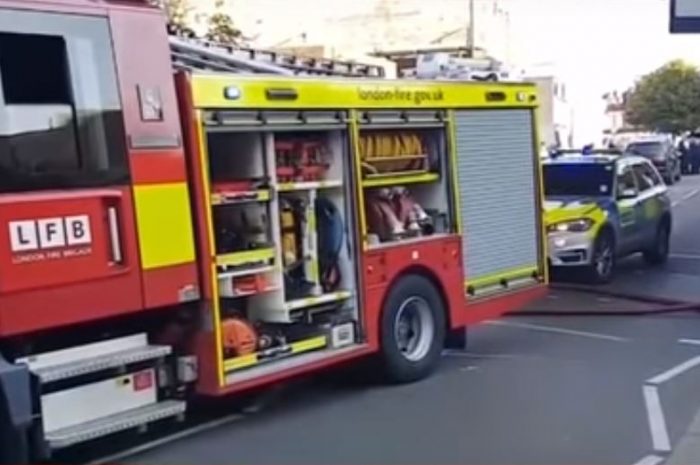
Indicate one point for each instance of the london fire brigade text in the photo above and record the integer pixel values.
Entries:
(38, 240)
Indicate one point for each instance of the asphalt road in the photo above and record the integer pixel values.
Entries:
(529, 390)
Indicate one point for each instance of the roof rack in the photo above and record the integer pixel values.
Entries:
(204, 55)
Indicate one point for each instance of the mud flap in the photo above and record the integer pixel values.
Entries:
(16, 409)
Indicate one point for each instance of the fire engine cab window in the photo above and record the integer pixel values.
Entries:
(60, 117)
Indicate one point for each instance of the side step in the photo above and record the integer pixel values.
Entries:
(127, 420)
(92, 358)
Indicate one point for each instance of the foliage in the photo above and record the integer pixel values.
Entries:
(221, 27)
(178, 13)
(666, 100)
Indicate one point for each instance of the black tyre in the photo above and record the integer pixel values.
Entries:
(657, 253)
(604, 260)
(412, 331)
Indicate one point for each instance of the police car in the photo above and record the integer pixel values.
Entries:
(603, 205)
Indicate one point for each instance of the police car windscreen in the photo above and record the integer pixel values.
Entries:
(578, 179)
(645, 149)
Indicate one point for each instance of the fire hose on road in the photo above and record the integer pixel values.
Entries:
(661, 305)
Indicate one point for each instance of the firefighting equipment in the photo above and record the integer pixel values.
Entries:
(301, 160)
(238, 337)
(394, 213)
(291, 223)
(381, 217)
(331, 232)
(392, 152)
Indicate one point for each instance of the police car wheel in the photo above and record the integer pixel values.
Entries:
(602, 267)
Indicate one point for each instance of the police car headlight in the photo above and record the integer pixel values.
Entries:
(580, 225)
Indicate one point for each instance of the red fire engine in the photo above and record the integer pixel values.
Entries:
(180, 219)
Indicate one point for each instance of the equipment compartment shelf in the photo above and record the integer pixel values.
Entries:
(279, 353)
(392, 179)
(248, 282)
(307, 302)
(246, 257)
(309, 185)
(232, 198)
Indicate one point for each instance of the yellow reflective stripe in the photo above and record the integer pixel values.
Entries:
(247, 361)
(214, 284)
(393, 179)
(208, 92)
(496, 278)
(164, 224)
(362, 216)
(309, 344)
(544, 241)
(245, 257)
(453, 163)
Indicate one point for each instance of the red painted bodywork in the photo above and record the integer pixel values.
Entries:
(197, 186)
(61, 291)
(55, 293)
(36, 297)
(156, 153)
(440, 259)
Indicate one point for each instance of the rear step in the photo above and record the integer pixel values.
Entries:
(112, 424)
(92, 358)
(104, 362)
(122, 392)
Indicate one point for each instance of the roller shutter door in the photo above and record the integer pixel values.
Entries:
(498, 195)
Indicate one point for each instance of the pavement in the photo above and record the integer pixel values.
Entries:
(602, 390)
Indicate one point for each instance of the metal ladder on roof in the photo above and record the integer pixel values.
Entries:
(203, 55)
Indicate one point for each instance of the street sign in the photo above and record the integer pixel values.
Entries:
(685, 16)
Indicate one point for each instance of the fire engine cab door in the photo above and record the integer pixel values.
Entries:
(496, 167)
(68, 249)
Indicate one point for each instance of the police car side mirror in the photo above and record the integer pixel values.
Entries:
(627, 194)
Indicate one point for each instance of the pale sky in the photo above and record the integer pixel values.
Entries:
(597, 45)
(593, 45)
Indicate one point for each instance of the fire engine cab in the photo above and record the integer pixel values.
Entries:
(180, 219)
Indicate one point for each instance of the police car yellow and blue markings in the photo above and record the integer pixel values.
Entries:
(597, 211)
(564, 210)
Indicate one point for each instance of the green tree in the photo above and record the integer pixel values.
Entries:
(178, 13)
(222, 28)
(666, 100)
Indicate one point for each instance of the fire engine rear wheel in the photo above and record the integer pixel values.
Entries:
(413, 330)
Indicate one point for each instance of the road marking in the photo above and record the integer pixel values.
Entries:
(650, 460)
(687, 256)
(120, 456)
(693, 342)
(686, 197)
(556, 330)
(691, 194)
(462, 354)
(673, 372)
(657, 422)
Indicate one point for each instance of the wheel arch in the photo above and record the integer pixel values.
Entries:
(608, 228)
